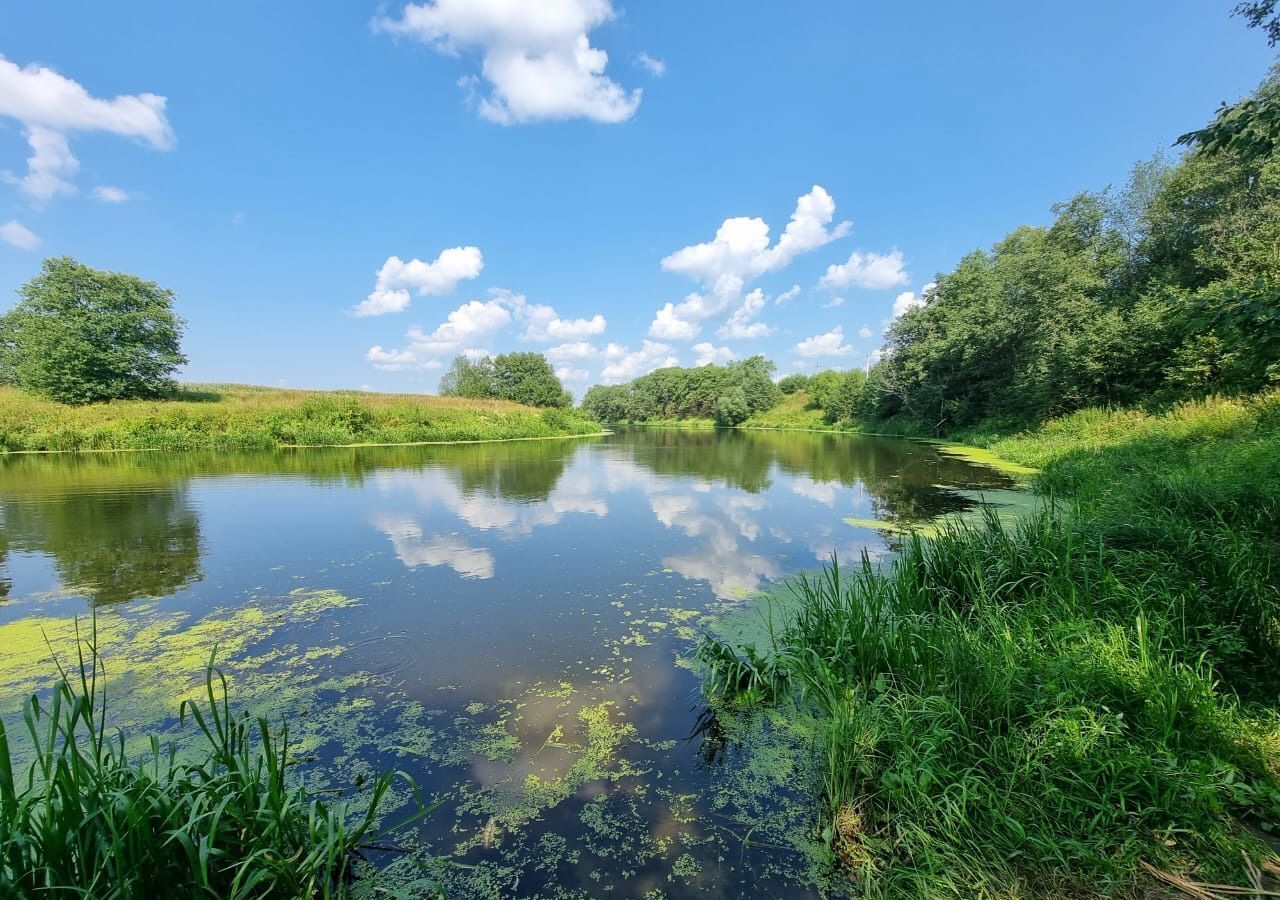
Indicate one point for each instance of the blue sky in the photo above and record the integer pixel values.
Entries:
(563, 170)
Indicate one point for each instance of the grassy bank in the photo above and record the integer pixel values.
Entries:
(1064, 707)
(241, 417)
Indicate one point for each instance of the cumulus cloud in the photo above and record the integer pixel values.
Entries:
(740, 325)
(741, 246)
(567, 373)
(864, 332)
(19, 235)
(623, 363)
(108, 194)
(788, 295)
(708, 353)
(820, 345)
(51, 106)
(543, 324)
(571, 352)
(397, 278)
(537, 58)
(874, 271)
(739, 252)
(652, 65)
(905, 302)
(469, 323)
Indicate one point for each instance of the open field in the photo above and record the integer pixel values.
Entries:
(244, 417)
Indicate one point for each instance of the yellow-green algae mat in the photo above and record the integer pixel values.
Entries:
(510, 763)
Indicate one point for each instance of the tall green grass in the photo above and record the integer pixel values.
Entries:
(240, 417)
(83, 818)
(1039, 709)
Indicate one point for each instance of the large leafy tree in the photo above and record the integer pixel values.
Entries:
(520, 377)
(80, 335)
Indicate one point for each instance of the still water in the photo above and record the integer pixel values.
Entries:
(510, 624)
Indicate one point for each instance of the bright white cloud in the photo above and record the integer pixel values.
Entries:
(543, 323)
(864, 332)
(651, 64)
(625, 363)
(670, 324)
(820, 345)
(741, 246)
(397, 278)
(567, 373)
(833, 303)
(905, 302)
(19, 235)
(413, 548)
(108, 194)
(536, 57)
(50, 106)
(708, 353)
(740, 325)
(788, 295)
(874, 271)
(468, 324)
(571, 352)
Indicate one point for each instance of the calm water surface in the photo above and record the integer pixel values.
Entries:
(505, 622)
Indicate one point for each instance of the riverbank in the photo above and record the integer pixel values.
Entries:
(245, 417)
(1082, 704)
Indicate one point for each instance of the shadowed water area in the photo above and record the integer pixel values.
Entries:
(509, 623)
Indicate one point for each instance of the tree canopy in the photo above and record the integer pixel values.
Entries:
(729, 394)
(79, 335)
(519, 377)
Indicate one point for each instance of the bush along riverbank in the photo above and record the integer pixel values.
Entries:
(240, 417)
(1084, 703)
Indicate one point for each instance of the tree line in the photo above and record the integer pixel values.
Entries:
(729, 394)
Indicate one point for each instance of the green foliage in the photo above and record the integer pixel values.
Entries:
(843, 403)
(792, 383)
(732, 408)
(822, 388)
(1167, 289)
(87, 820)
(237, 417)
(694, 393)
(78, 335)
(1019, 710)
(525, 378)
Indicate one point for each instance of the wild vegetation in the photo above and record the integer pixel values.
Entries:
(727, 394)
(240, 417)
(83, 818)
(525, 378)
(1041, 709)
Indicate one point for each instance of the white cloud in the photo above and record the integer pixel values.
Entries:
(50, 106)
(397, 277)
(566, 373)
(906, 301)
(536, 57)
(708, 353)
(108, 194)
(651, 64)
(19, 235)
(829, 344)
(570, 352)
(625, 364)
(864, 332)
(670, 324)
(413, 548)
(788, 295)
(741, 245)
(469, 323)
(874, 271)
(543, 323)
(740, 325)
(833, 303)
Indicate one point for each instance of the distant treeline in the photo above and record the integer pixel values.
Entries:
(728, 394)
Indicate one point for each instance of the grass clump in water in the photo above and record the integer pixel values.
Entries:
(87, 819)
(1050, 707)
